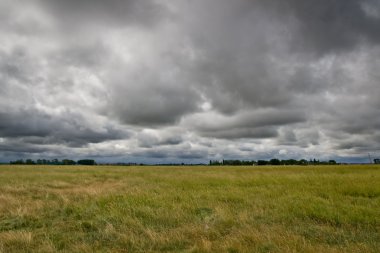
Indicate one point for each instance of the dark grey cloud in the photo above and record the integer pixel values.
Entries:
(16, 65)
(332, 26)
(73, 14)
(17, 147)
(35, 127)
(167, 154)
(257, 124)
(171, 80)
(154, 139)
(242, 132)
(88, 54)
(300, 136)
(151, 104)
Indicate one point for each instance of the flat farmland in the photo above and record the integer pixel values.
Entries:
(190, 209)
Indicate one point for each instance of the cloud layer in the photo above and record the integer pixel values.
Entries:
(170, 81)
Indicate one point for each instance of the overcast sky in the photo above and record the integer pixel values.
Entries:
(189, 80)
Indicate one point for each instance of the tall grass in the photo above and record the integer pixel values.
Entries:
(189, 209)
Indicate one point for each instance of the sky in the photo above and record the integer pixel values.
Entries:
(158, 81)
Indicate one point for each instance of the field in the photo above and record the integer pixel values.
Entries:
(190, 209)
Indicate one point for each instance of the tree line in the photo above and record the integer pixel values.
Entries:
(54, 162)
(273, 161)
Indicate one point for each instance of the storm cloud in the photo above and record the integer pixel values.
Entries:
(171, 81)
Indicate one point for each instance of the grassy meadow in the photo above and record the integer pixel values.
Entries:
(190, 209)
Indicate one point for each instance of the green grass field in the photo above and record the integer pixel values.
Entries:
(189, 209)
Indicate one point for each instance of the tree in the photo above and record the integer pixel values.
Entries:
(17, 162)
(29, 161)
(302, 162)
(68, 162)
(215, 162)
(86, 162)
(274, 161)
(262, 162)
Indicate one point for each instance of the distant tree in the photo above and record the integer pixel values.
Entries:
(332, 162)
(68, 162)
(86, 162)
(232, 162)
(248, 162)
(29, 161)
(302, 162)
(274, 161)
(17, 162)
(289, 162)
(215, 162)
(262, 162)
